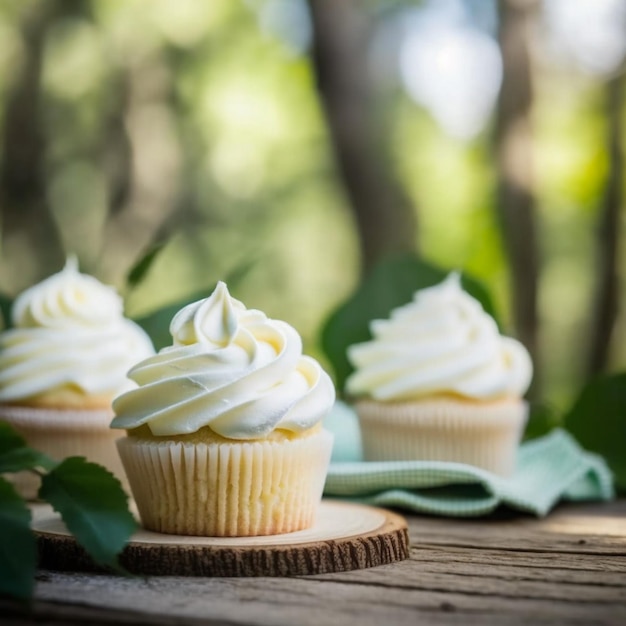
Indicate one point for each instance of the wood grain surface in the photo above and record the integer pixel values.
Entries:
(345, 537)
(569, 568)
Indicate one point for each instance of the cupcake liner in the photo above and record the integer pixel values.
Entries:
(485, 435)
(61, 433)
(227, 489)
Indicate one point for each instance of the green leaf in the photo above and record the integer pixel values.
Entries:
(598, 421)
(16, 456)
(18, 549)
(391, 284)
(542, 419)
(6, 304)
(93, 506)
(140, 269)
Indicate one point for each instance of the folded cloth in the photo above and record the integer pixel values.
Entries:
(549, 469)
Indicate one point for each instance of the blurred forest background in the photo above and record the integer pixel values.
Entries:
(287, 146)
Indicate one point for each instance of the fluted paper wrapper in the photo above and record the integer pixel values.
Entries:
(485, 435)
(60, 433)
(227, 489)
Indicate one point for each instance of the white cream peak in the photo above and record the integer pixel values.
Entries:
(441, 342)
(230, 368)
(69, 329)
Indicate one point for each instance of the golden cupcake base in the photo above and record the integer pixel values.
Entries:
(485, 435)
(227, 489)
(61, 433)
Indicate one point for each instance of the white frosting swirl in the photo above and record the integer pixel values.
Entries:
(441, 342)
(231, 369)
(69, 330)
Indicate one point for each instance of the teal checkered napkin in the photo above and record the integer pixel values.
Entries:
(549, 469)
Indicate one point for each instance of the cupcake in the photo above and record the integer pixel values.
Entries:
(62, 363)
(438, 382)
(224, 431)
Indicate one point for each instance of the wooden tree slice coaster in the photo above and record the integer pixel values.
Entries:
(345, 537)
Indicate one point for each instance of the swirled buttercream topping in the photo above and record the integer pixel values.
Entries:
(69, 330)
(230, 368)
(441, 342)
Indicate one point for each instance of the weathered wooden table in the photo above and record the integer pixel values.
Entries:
(569, 568)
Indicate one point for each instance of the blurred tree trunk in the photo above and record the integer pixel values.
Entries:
(144, 193)
(605, 302)
(385, 220)
(31, 246)
(515, 201)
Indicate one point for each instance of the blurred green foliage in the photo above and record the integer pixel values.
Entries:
(598, 420)
(224, 121)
